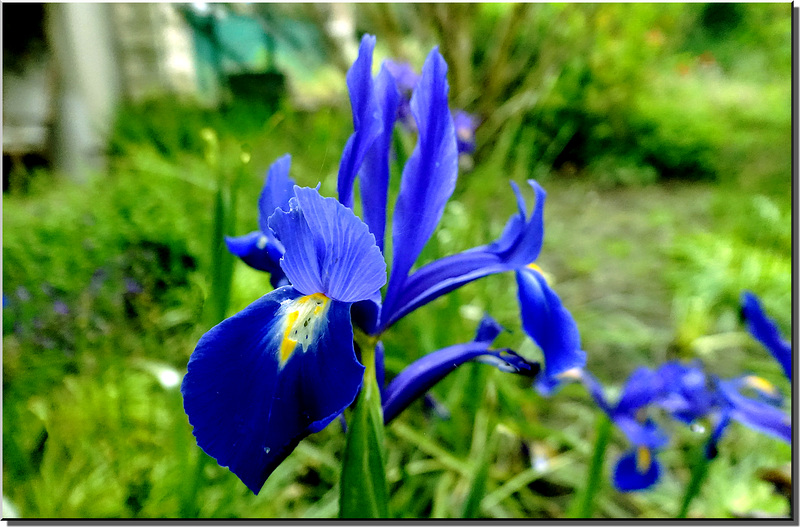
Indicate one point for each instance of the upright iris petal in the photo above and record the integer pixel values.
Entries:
(366, 119)
(261, 249)
(429, 176)
(374, 177)
(285, 366)
(766, 332)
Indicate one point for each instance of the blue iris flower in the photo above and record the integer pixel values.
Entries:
(286, 366)
(688, 394)
(638, 468)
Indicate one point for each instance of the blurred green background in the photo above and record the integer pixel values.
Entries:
(662, 134)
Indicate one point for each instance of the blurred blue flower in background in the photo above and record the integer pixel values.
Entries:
(688, 395)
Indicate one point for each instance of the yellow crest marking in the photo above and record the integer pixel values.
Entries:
(643, 459)
(303, 317)
(536, 268)
(758, 383)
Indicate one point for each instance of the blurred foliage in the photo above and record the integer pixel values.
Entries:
(559, 86)
(104, 284)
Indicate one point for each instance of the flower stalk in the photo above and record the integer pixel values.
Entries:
(363, 488)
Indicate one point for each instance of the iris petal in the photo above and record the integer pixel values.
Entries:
(549, 324)
(429, 176)
(766, 332)
(374, 179)
(758, 415)
(366, 119)
(278, 190)
(250, 402)
(328, 249)
(418, 377)
(519, 245)
(630, 476)
(260, 252)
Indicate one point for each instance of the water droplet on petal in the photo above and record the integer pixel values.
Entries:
(266, 450)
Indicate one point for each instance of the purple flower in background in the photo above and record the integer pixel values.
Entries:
(466, 124)
(23, 294)
(406, 79)
(132, 286)
(60, 308)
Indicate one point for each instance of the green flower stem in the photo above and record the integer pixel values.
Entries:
(699, 473)
(583, 504)
(364, 492)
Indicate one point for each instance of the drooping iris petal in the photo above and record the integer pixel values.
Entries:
(636, 470)
(374, 179)
(260, 249)
(328, 249)
(756, 414)
(418, 377)
(260, 381)
(644, 433)
(766, 332)
(429, 176)
(261, 252)
(548, 323)
(366, 119)
(519, 245)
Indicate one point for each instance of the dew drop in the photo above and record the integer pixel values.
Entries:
(697, 428)
(266, 450)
